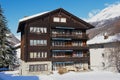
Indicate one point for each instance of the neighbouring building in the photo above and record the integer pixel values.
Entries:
(100, 50)
(51, 40)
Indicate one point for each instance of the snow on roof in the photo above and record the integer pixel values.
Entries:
(33, 16)
(100, 39)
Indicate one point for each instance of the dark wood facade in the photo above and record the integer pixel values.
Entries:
(71, 24)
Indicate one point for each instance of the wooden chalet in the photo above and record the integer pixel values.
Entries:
(51, 40)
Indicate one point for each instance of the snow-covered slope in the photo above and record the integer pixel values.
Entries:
(106, 21)
(100, 39)
(12, 39)
(111, 11)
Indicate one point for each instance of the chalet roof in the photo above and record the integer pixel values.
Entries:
(23, 21)
(33, 16)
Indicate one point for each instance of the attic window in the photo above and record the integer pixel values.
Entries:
(58, 19)
(63, 20)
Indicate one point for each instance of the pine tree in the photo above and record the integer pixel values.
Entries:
(7, 52)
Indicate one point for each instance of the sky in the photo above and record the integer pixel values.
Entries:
(17, 9)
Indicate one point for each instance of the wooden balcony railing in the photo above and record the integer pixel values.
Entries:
(70, 47)
(84, 36)
(71, 59)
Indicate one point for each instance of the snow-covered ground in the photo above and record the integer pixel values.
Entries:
(91, 75)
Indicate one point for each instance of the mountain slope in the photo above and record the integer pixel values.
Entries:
(12, 39)
(107, 22)
(109, 12)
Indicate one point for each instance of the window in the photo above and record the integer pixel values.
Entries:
(31, 55)
(38, 30)
(38, 67)
(31, 42)
(35, 54)
(58, 19)
(77, 54)
(31, 68)
(34, 42)
(31, 29)
(63, 19)
(38, 42)
(38, 54)
(103, 55)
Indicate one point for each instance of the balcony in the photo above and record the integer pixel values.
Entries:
(78, 59)
(73, 36)
(68, 33)
(69, 47)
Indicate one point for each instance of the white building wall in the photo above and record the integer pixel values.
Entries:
(96, 59)
(100, 62)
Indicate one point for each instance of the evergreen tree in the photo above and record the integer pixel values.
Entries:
(7, 52)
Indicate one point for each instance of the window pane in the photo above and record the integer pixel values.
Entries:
(31, 42)
(45, 30)
(56, 19)
(45, 54)
(31, 68)
(35, 29)
(46, 67)
(41, 30)
(42, 54)
(35, 42)
(31, 29)
(31, 54)
(38, 54)
(35, 54)
(63, 20)
(38, 30)
(45, 42)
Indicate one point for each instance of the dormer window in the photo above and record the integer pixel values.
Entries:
(59, 19)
